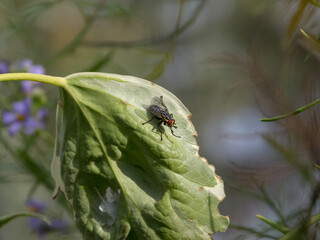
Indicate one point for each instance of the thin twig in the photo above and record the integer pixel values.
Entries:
(79, 38)
(151, 40)
(299, 110)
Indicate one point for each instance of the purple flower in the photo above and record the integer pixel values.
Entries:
(40, 227)
(4, 67)
(21, 117)
(27, 86)
(21, 66)
(37, 69)
(36, 206)
(27, 65)
(59, 224)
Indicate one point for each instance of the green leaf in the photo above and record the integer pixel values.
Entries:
(313, 41)
(5, 219)
(122, 181)
(274, 224)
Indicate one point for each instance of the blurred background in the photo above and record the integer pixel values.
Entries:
(230, 62)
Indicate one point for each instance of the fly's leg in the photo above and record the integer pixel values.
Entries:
(158, 125)
(174, 134)
(162, 103)
(161, 100)
(148, 120)
(160, 129)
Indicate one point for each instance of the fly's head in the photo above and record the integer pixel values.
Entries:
(172, 122)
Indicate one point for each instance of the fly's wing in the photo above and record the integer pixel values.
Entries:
(156, 110)
(159, 102)
(156, 101)
(146, 106)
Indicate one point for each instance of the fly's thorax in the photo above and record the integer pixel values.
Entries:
(166, 117)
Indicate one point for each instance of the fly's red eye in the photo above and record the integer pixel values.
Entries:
(171, 122)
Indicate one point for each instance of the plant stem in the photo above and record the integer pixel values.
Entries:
(58, 81)
(299, 110)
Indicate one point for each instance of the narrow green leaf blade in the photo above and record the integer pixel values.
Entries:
(314, 42)
(274, 224)
(121, 179)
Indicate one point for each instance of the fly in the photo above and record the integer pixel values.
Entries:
(160, 112)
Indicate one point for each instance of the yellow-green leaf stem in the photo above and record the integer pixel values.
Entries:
(58, 81)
